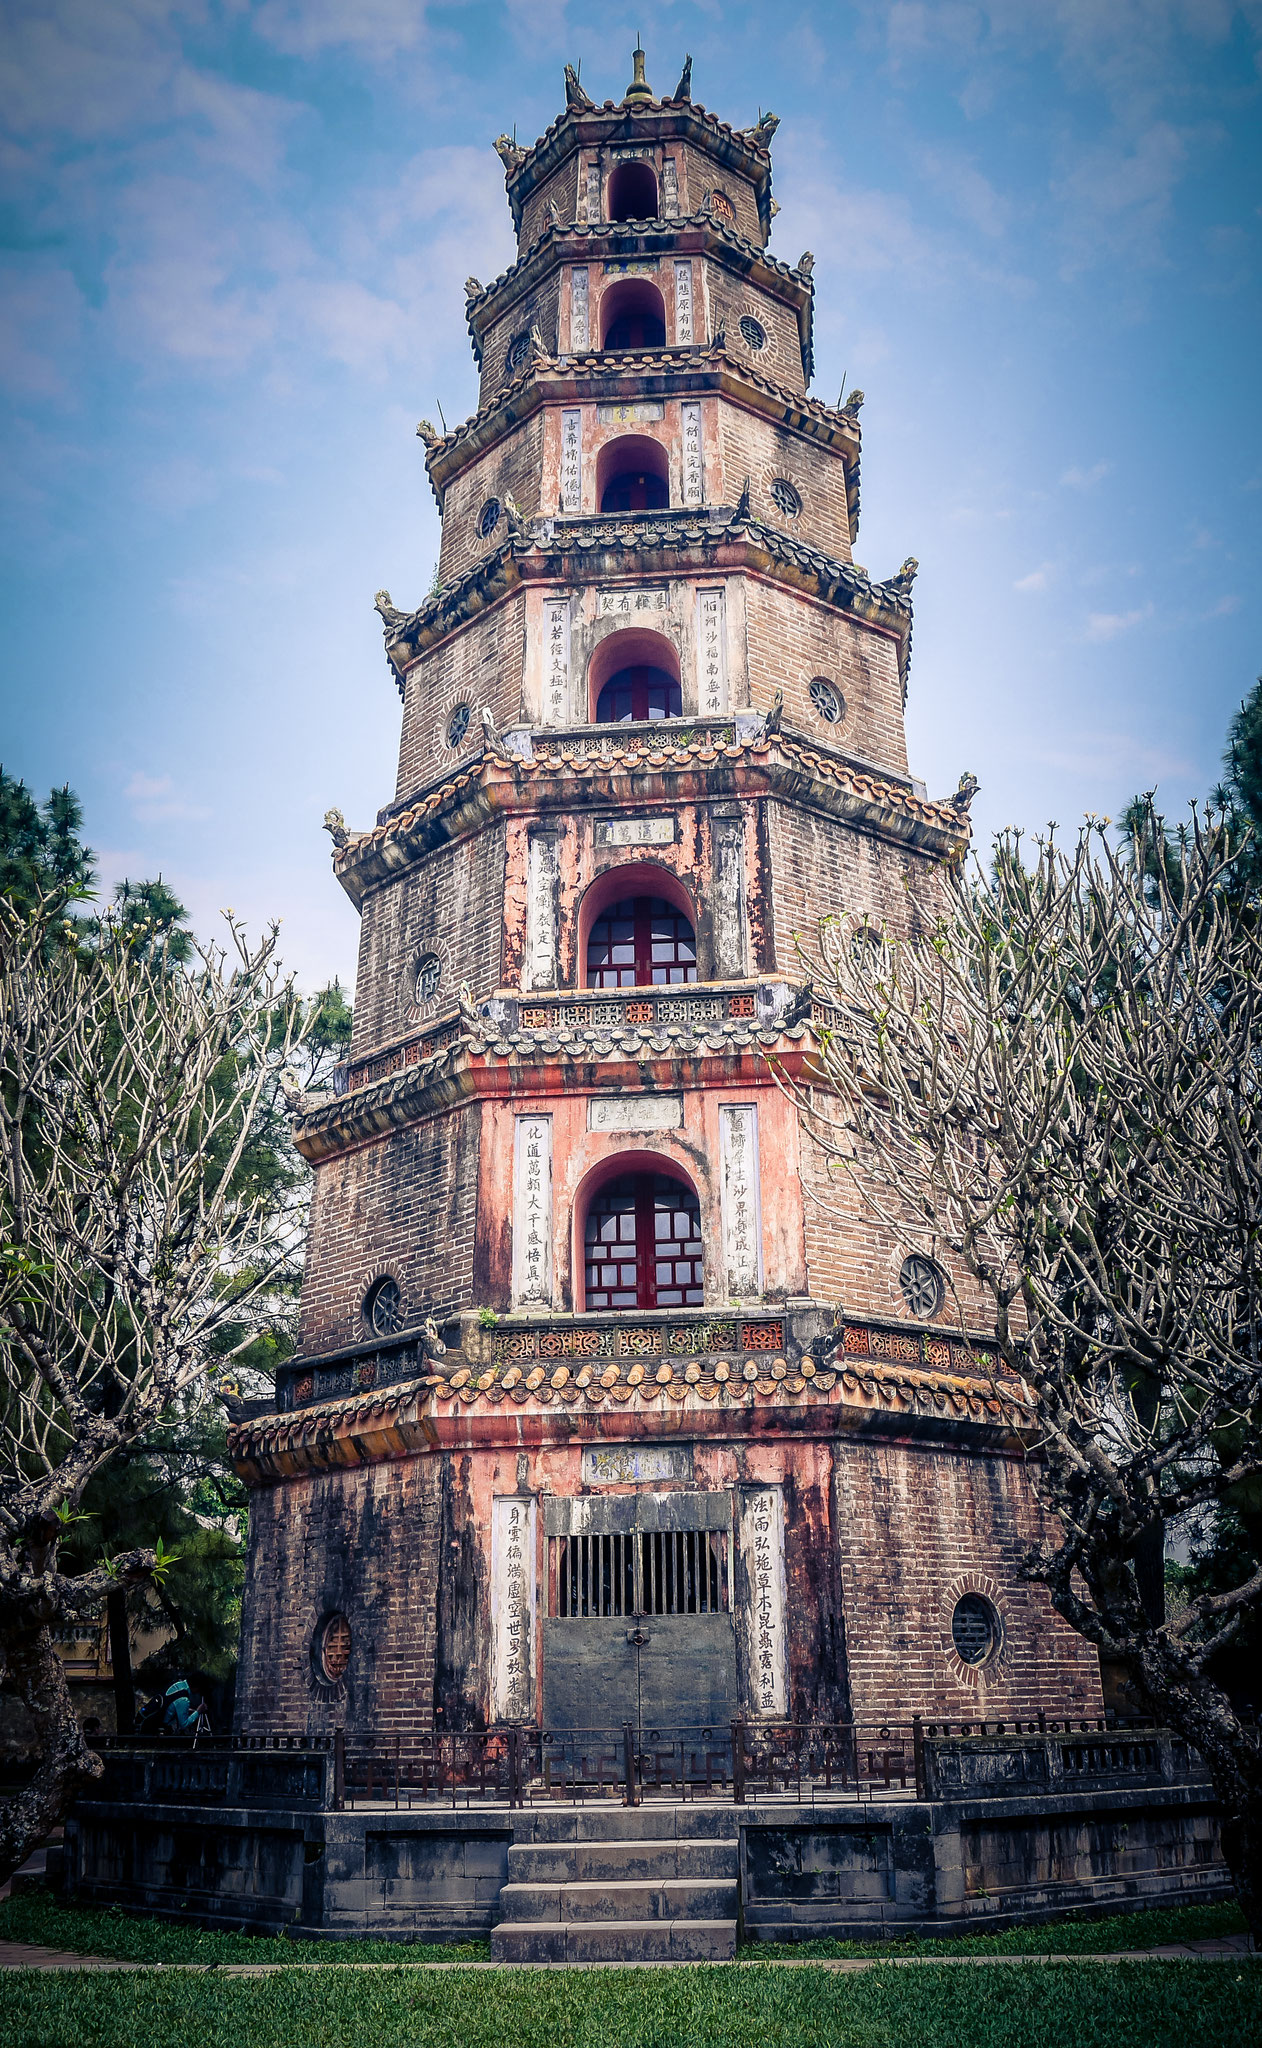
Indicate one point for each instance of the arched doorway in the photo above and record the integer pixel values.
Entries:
(632, 475)
(632, 192)
(642, 1244)
(633, 315)
(634, 674)
(641, 942)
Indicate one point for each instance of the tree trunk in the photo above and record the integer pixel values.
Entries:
(34, 1671)
(120, 1657)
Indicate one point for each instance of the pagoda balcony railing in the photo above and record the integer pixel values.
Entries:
(682, 1008)
(633, 733)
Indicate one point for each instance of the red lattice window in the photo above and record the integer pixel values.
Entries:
(333, 1649)
(642, 1245)
(639, 943)
(639, 693)
(740, 1006)
(762, 1336)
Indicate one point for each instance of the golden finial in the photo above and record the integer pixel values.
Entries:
(638, 89)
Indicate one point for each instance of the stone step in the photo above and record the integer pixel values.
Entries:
(578, 1862)
(613, 1823)
(673, 1898)
(614, 1941)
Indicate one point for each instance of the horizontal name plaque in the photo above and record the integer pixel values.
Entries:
(635, 1112)
(635, 1464)
(635, 832)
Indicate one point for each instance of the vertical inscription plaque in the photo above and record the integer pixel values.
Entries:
(541, 911)
(694, 473)
(580, 331)
(532, 1209)
(670, 189)
(683, 305)
(513, 1609)
(742, 1222)
(571, 461)
(556, 660)
(711, 653)
(761, 1540)
(593, 191)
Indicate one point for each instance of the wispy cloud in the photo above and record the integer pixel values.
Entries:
(1037, 578)
(155, 799)
(1110, 625)
(1085, 479)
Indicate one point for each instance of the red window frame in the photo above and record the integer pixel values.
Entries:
(641, 942)
(639, 693)
(655, 1262)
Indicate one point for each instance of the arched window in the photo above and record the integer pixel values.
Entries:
(632, 192)
(633, 315)
(641, 942)
(642, 1244)
(632, 475)
(637, 693)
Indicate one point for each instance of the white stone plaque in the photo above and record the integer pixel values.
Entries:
(513, 1523)
(532, 1209)
(627, 1464)
(541, 911)
(556, 660)
(593, 191)
(694, 469)
(711, 652)
(683, 305)
(635, 832)
(621, 604)
(760, 1534)
(635, 1112)
(628, 414)
(670, 189)
(579, 329)
(742, 1218)
(632, 266)
(571, 461)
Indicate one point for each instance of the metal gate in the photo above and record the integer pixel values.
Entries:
(638, 1623)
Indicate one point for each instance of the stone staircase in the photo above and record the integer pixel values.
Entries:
(621, 1885)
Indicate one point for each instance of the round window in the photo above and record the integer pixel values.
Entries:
(458, 724)
(722, 205)
(489, 517)
(332, 1648)
(427, 975)
(786, 497)
(922, 1287)
(975, 1629)
(518, 351)
(829, 703)
(383, 1307)
(753, 333)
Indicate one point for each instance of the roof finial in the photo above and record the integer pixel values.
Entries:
(683, 91)
(639, 88)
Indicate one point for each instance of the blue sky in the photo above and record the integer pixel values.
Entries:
(233, 240)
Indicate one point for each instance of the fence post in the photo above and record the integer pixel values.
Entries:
(514, 1768)
(738, 1763)
(918, 1754)
(339, 1768)
(630, 1792)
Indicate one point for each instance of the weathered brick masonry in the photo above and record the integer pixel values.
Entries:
(612, 1401)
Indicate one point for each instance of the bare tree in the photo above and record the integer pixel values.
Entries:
(1062, 1080)
(134, 1231)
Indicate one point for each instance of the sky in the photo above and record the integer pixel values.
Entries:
(234, 234)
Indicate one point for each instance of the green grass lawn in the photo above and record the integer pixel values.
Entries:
(1089, 2005)
(38, 1917)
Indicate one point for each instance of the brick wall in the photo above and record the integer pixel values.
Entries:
(405, 1205)
(448, 903)
(481, 664)
(729, 298)
(512, 467)
(537, 307)
(791, 639)
(363, 1543)
(918, 1527)
(756, 448)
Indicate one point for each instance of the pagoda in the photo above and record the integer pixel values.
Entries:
(609, 1405)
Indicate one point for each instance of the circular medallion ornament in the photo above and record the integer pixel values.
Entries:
(974, 1629)
(427, 975)
(921, 1283)
(753, 333)
(458, 724)
(721, 205)
(786, 497)
(332, 1648)
(489, 517)
(827, 699)
(383, 1307)
(518, 352)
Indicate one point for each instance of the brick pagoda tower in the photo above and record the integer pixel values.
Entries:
(599, 1411)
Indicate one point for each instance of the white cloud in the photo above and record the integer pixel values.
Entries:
(1224, 608)
(376, 28)
(1108, 625)
(1037, 578)
(154, 798)
(1083, 479)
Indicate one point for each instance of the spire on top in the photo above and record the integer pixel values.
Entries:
(638, 89)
